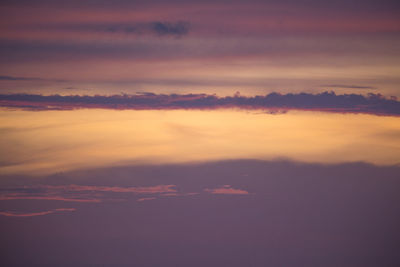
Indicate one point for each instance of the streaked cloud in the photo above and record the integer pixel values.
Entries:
(31, 79)
(145, 199)
(13, 78)
(33, 214)
(81, 193)
(49, 197)
(327, 101)
(159, 28)
(349, 86)
(226, 190)
(115, 189)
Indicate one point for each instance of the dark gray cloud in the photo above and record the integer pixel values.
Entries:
(327, 101)
(31, 79)
(168, 28)
(13, 78)
(160, 28)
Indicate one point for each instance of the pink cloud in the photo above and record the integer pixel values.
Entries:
(170, 195)
(66, 209)
(227, 190)
(145, 198)
(32, 214)
(57, 198)
(116, 189)
(191, 194)
(84, 193)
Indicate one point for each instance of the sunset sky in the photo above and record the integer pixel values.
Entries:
(200, 133)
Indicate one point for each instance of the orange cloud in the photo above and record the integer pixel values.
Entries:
(145, 198)
(227, 190)
(116, 189)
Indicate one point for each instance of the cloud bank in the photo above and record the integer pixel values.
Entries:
(274, 102)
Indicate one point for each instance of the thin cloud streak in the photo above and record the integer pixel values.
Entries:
(226, 190)
(327, 102)
(81, 193)
(145, 199)
(33, 214)
(13, 78)
(348, 86)
(55, 198)
(158, 28)
(16, 78)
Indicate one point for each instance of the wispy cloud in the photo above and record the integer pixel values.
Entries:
(158, 28)
(350, 86)
(49, 197)
(226, 190)
(326, 101)
(14, 78)
(33, 214)
(17, 78)
(116, 189)
(81, 193)
(145, 199)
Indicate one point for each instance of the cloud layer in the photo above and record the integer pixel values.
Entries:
(275, 102)
(80, 193)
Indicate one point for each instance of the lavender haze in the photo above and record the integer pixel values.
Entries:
(199, 133)
(232, 213)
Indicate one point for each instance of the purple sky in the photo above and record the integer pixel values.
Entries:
(255, 47)
(199, 133)
(232, 213)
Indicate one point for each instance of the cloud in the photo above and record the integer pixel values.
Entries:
(13, 78)
(168, 28)
(145, 199)
(226, 190)
(81, 193)
(326, 101)
(348, 86)
(33, 214)
(45, 197)
(16, 78)
(159, 28)
(116, 189)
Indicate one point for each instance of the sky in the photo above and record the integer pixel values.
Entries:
(199, 133)
(255, 47)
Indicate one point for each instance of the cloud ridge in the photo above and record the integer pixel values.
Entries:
(327, 102)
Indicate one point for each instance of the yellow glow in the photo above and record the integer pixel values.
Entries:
(53, 141)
